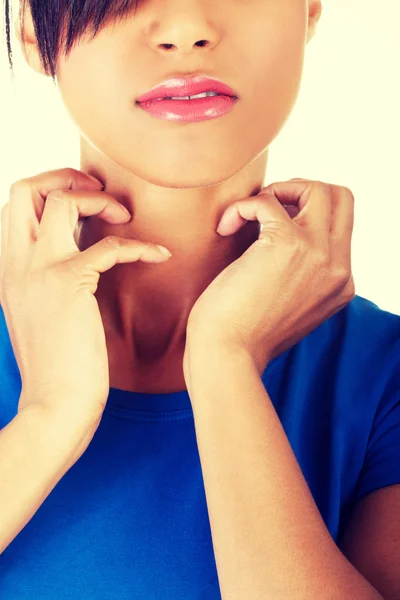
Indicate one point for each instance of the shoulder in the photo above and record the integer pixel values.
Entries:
(348, 367)
(362, 338)
(377, 322)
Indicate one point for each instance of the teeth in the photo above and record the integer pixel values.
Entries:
(203, 95)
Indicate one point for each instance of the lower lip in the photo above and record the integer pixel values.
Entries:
(199, 109)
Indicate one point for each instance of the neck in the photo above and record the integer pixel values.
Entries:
(145, 307)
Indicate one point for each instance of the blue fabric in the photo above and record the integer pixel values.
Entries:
(129, 520)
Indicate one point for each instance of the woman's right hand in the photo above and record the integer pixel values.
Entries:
(47, 289)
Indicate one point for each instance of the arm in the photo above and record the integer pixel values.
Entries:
(36, 450)
(269, 538)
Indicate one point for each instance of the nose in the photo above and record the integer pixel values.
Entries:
(184, 28)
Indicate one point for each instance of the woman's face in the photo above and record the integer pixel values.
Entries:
(255, 46)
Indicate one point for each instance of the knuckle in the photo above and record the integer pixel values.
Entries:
(350, 290)
(112, 242)
(317, 186)
(68, 171)
(64, 172)
(347, 193)
(56, 195)
(321, 258)
(340, 273)
(342, 192)
(320, 184)
(17, 186)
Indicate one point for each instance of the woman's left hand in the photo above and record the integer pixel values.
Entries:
(293, 278)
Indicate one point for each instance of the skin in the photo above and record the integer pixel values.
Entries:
(176, 179)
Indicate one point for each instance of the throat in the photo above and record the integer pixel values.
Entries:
(149, 375)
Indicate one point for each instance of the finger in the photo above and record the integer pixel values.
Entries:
(263, 208)
(113, 250)
(314, 200)
(27, 199)
(342, 223)
(61, 214)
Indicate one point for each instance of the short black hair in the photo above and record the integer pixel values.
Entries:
(53, 18)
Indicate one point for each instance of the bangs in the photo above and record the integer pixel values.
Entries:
(60, 24)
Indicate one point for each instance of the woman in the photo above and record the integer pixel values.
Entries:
(246, 441)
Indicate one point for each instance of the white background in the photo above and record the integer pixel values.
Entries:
(345, 130)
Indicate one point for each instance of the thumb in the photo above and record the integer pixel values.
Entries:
(231, 220)
(264, 208)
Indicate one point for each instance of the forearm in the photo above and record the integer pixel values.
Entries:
(36, 450)
(269, 539)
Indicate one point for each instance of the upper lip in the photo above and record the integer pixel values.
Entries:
(187, 86)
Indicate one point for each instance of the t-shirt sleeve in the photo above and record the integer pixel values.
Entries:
(382, 460)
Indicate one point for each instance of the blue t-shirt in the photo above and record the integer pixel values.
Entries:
(129, 520)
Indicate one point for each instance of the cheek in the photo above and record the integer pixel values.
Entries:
(274, 49)
(90, 87)
(275, 67)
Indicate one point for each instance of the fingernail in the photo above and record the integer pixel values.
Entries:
(223, 221)
(164, 250)
(96, 180)
(126, 211)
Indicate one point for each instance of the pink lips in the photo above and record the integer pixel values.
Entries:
(193, 109)
(187, 87)
(188, 111)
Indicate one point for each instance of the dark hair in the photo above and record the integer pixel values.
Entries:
(52, 19)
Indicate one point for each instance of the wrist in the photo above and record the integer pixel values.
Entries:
(210, 354)
(76, 430)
